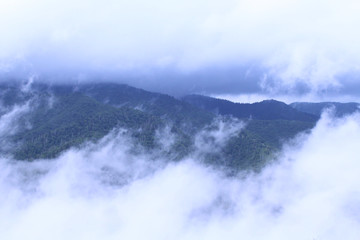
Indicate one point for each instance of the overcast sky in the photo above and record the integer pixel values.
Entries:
(258, 47)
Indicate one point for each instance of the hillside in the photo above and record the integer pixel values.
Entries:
(63, 116)
(160, 105)
(254, 146)
(74, 119)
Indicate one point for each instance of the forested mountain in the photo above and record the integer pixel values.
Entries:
(255, 144)
(75, 118)
(265, 110)
(160, 105)
(57, 117)
(340, 109)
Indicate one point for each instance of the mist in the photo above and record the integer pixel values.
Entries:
(233, 46)
(103, 190)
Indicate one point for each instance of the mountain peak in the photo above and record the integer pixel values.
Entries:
(265, 110)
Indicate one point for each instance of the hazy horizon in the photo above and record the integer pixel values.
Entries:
(278, 47)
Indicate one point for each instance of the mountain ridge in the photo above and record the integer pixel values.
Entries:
(340, 109)
(265, 110)
(88, 112)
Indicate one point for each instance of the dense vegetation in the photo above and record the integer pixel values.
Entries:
(64, 116)
(160, 105)
(256, 144)
(75, 118)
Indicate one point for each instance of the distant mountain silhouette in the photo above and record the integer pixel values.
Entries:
(340, 109)
(265, 110)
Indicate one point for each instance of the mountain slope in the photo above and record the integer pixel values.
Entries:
(64, 116)
(254, 146)
(160, 105)
(76, 118)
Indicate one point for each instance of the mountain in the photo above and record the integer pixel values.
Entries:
(88, 112)
(53, 118)
(265, 110)
(340, 109)
(255, 145)
(74, 119)
(160, 105)
(270, 123)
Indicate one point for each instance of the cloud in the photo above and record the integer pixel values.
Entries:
(212, 138)
(12, 120)
(289, 42)
(102, 191)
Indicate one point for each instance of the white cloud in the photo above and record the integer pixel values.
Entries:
(294, 41)
(104, 192)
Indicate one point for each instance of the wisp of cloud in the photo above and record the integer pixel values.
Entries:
(103, 191)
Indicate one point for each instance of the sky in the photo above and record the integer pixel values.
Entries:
(287, 48)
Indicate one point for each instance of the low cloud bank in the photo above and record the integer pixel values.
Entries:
(273, 45)
(102, 191)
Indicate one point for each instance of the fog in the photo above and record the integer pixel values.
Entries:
(104, 191)
(237, 46)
